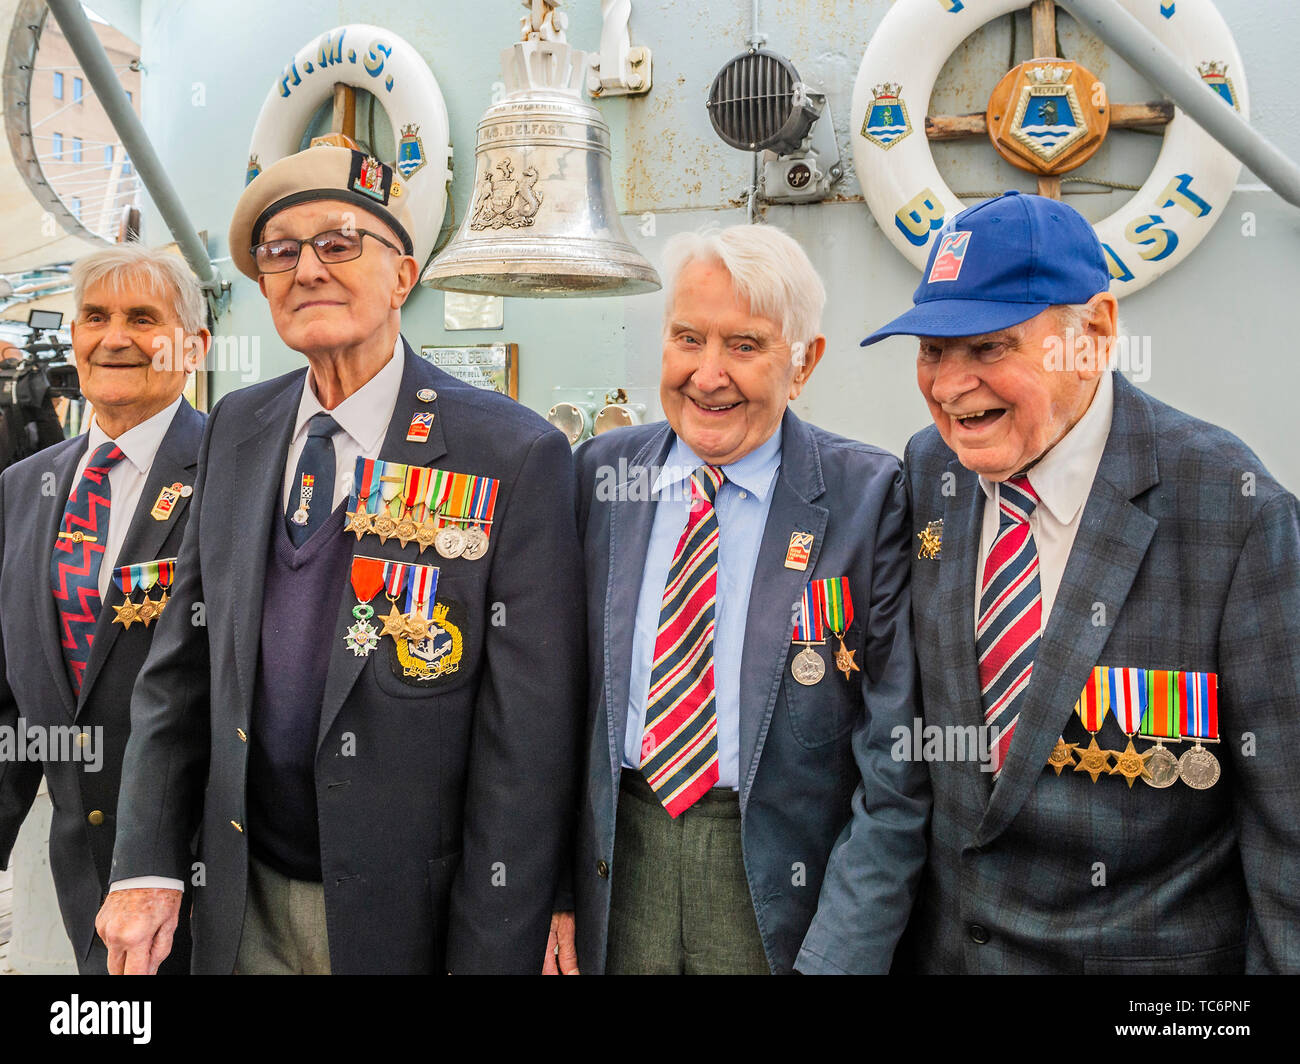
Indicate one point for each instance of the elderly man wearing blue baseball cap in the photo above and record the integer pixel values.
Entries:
(1093, 570)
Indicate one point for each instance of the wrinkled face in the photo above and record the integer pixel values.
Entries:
(727, 374)
(132, 355)
(1000, 400)
(323, 308)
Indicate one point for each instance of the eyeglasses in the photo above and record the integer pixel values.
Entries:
(331, 246)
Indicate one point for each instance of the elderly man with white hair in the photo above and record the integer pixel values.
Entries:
(89, 531)
(749, 654)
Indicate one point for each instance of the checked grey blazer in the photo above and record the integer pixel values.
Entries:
(1190, 552)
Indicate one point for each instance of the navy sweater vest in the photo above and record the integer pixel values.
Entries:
(300, 601)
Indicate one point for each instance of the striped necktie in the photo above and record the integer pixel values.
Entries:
(75, 562)
(1011, 611)
(679, 747)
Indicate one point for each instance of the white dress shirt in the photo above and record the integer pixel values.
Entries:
(125, 481)
(1062, 478)
(363, 416)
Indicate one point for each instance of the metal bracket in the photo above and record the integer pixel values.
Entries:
(806, 174)
(618, 69)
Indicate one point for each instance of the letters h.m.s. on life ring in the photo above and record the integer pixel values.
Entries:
(374, 59)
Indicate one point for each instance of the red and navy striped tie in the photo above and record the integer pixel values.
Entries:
(74, 565)
(1011, 610)
(679, 746)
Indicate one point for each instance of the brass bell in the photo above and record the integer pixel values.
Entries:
(542, 219)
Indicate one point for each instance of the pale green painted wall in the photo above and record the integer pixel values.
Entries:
(1220, 323)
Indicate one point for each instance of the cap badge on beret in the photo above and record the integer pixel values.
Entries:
(254, 168)
(370, 177)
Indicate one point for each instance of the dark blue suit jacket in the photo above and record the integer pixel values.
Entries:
(1187, 557)
(832, 827)
(34, 681)
(443, 806)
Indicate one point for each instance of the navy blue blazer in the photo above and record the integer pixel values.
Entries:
(1187, 557)
(833, 828)
(443, 805)
(34, 681)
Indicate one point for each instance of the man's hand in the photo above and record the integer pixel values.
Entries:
(137, 927)
(561, 953)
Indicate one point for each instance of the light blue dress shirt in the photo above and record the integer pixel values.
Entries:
(742, 505)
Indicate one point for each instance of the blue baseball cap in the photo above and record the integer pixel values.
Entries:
(1002, 262)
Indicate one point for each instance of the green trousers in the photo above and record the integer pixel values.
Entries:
(284, 926)
(680, 902)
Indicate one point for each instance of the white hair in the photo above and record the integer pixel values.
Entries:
(159, 271)
(768, 269)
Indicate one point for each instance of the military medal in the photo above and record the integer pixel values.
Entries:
(449, 542)
(416, 485)
(838, 610)
(142, 576)
(1062, 755)
(932, 545)
(163, 505)
(394, 576)
(808, 667)
(421, 588)
(365, 486)
(1092, 708)
(1160, 722)
(1198, 768)
(482, 505)
(367, 579)
(1127, 693)
(392, 477)
(305, 490)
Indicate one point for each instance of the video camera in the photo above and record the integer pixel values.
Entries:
(28, 386)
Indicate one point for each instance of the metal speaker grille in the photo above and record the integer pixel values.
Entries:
(751, 99)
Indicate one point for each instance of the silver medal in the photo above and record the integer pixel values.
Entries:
(449, 542)
(476, 543)
(808, 667)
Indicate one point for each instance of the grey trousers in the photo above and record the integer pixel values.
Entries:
(679, 900)
(284, 926)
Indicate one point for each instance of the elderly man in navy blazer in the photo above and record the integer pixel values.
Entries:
(1105, 588)
(749, 654)
(89, 531)
(369, 799)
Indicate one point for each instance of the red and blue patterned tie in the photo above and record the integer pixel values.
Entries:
(1011, 610)
(74, 565)
(679, 746)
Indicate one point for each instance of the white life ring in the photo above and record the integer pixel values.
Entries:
(1183, 196)
(377, 60)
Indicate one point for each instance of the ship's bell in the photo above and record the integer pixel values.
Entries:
(541, 219)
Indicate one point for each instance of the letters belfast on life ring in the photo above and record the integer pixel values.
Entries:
(1181, 199)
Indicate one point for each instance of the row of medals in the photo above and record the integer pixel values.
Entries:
(808, 668)
(448, 540)
(146, 612)
(1157, 767)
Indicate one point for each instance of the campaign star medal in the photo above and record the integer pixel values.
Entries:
(414, 493)
(1199, 691)
(799, 550)
(126, 614)
(1128, 697)
(166, 501)
(838, 610)
(1160, 722)
(931, 538)
(367, 580)
(305, 490)
(391, 480)
(394, 576)
(421, 588)
(1062, 755)
(364, 489)
(1091, 708)
(808, 668)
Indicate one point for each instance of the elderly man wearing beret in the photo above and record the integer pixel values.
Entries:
(1107, 590)
(343, 700)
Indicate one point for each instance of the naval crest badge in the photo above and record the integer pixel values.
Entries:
(410, 152)
(887, 121)
(435, 656)
(1215, 74)
(1047, 116)
(368, 177)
